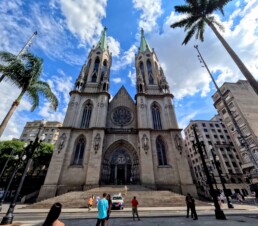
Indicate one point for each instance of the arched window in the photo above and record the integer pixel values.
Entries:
(79, 151)
(142, 69)
(161, 151)
(85, 123)
(95, 70)
(149, 68)
(156, 116)
(88, 68)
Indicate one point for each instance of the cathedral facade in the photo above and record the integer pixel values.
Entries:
(119, 141)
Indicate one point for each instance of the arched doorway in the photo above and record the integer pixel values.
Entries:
(120, 165)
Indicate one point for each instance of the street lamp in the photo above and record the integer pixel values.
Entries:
(217, 165)
(219, 214)
(242, 138)
(8, 218)
(20, 158)
(6, 163)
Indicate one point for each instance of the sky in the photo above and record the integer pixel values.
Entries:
(67, 29)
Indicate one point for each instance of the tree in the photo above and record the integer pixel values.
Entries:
(25, 73)
(198, 14)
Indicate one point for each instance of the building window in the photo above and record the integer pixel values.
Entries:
(149, 69)
(205, 130)
(156, 116)
(79, 151)
(211, 125)
(203, 124)
(142, 69)
(95, 70)
(207, 136)
(161, 151)
(85, 123)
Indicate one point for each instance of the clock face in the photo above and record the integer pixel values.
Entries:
(121, 116)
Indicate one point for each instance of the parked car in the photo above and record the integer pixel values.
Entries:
(117, 202)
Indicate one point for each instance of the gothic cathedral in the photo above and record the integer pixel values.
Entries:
(119, 141)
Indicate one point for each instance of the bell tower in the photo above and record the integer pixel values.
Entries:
(94, 75)
(149, 74)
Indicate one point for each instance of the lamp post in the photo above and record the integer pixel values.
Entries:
(6, 163)
(21, 158)
(241, 138)
(217, 165)
(219, 214)
(8, 218)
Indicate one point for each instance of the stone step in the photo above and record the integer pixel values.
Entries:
(145, 196)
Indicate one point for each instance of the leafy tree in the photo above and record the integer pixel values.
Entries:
(198, 14)
(25, 73)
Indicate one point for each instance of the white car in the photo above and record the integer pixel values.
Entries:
(117, 202)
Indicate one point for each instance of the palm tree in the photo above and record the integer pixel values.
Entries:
(25, 73)
(198, 14)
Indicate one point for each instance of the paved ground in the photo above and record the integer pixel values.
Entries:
(170, 221)
(150, 216)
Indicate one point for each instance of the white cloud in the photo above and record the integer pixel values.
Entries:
(185, 74)
(84, 17)
(126, 59)
(150, 12)
(114, 46)
(132, 76)
(117, 80)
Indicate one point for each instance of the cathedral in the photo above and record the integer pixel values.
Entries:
(119, 141)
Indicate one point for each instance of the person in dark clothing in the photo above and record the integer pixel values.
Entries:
(193, 210)
(188, 201)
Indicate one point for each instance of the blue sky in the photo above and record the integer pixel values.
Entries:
(67, 29)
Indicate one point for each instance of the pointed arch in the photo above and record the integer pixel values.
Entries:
(88, 68)
(86, 115)
(150, 74)
(141, 66)
(161, 151)
(156, 119)
(79, 147)
(95, 70)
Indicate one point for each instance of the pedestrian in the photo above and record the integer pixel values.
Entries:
(188, 201)
(52, 217)
(90, 202)
(239, 198)
(97, 200)
(102, 210)
(109, 208)
(134, 208)
(126, 190)
(193, 210)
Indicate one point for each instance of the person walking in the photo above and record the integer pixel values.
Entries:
(134, 208)
(90, 202)
(188, 201)
(109, 208)
(102, 210)
(126, 189)
(53, 215)
(193, 210)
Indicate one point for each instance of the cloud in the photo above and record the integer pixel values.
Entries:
(126, 59)
(132, 76)
(117, 80)
(185, 74)
(150, 12)
(114, 46)
(83, 17)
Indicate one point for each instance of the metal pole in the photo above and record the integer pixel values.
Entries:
(218, 211)
(5, 165)
(242, 137)
(8, 218)
(220, 177)
(28, 43)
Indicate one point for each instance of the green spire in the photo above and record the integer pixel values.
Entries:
(103, 40)
(144, 44)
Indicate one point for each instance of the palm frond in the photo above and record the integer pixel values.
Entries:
(190, 34)
(33, 96)
(44, 89)
(200, 30)
(180, 23)
(213, 20)
(184, 9)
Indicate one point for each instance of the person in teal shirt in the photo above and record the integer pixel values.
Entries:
(102, 208)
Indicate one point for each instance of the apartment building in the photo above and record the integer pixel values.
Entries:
(50, 129)
(214, 136)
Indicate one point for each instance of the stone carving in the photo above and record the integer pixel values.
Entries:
(121, 116)
(97, 140)
(178, 142)
(145, 143)
(61, 142)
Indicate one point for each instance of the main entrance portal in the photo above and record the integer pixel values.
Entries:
(120, 167)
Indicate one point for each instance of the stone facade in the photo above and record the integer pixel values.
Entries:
(119, 141)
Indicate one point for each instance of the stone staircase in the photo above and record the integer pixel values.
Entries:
(145, 196)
